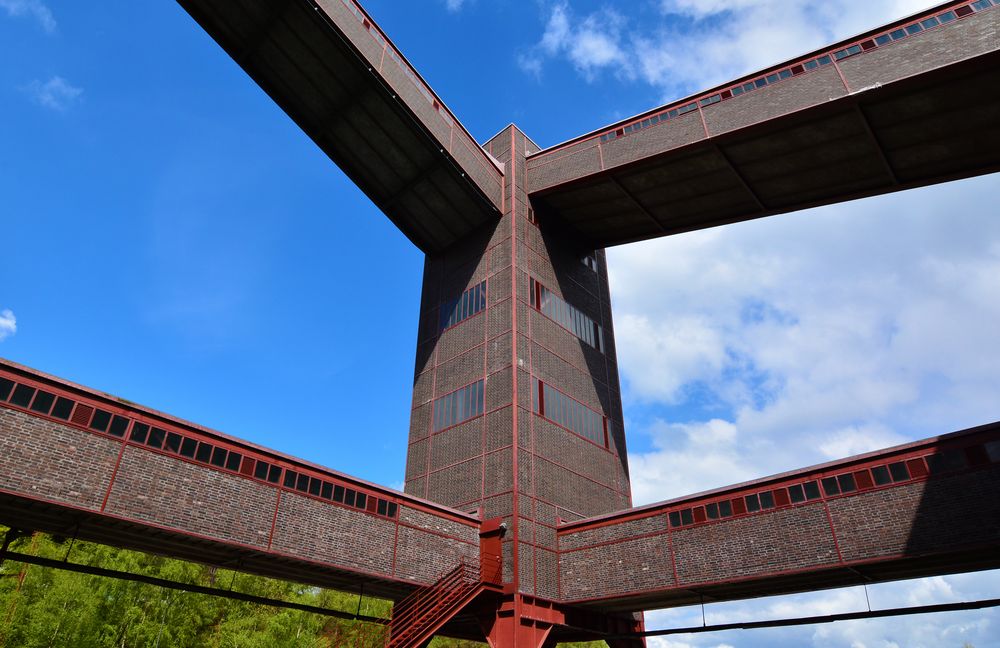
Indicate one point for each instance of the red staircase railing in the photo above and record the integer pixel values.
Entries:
(426, 609)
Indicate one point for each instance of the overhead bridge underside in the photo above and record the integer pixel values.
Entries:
(327, 65)
(887, 111)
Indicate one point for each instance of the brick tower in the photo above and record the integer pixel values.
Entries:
(516, 403)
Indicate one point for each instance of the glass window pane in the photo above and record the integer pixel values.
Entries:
(63, 408)
(753, 504)
(290, 477)
(219, 457)
(260, 470)
(767, 500)
(812, 490)
(846, 483)
(899, 471)
(725, 509)
(173, 443)
(188, 446)
(43, 402)
(712, 510)
(156, 437)
(204, 452)
(686, 517)
(233, 462)
(796, 494)
(881, 475)
(830, 486)
(139, 432)
(118, 426)
(100, 421)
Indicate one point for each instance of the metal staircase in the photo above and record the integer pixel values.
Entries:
(416, 618)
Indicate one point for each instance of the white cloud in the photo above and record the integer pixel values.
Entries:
(689, 45)
(34, 8)
(591, 43)
(8, 324)
(55, 94)
(454, 5)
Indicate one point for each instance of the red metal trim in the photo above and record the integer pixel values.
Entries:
(114, 472)
(274, 519)
(515, 499)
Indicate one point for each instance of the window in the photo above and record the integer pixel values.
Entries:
(63, 408)
(188, 447)
(881, 475)
(993, 450)
(846, 483)
(6, 386)
(463, 307)
(118, 426)
(590, 261)
(458, 406)
(156, 437)
(22, 395)
(812, 490)
(830, 486)
(204, 452)
(767, 500)
(100, 421)
(570, 317)
(946, 461)
(572, 415)
(898, 471)
(43, 402)
(753, 503)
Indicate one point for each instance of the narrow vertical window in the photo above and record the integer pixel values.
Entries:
(469, 303)
(458, 406)
(566, 315)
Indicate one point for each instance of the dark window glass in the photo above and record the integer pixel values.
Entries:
(824, 60)
(140, 432)
(290, 478)
(100, 421)
(156, 437)
(362, 500)
(881, 475)
(811, 65)
(712, 510)
(899, 471)
(760, 83)
(349, 496)
(846, 483)
(686, 517)
(63, 408)
(274, 474)
(854, 49)
(315, 485)
(469, 303)
(947, 461)
(796, 493)
(188, 447)
(22, 395)
(118, 426)
(812, 490)
(993, 450)
(260, 470)
(784, 74)
(233, 461)
(725, 509)
(842, 54)
(771, 78)
(219, 457)
(737, 91)
(914, 29)
(5, 388)
(897, 34)
(675, 518)
(327, 491)
(393, 509)
(947, 16)
(830, 486)
(382, 507)
(43, 402)
(753, 503)
(882, 40)
(458, 406)
(338, 493)
(930, 22)
(173, 443)
(302, 484)
(570, 317)
(204, 452)
(767, 500)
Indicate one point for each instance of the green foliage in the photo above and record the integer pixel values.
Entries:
(50, 608)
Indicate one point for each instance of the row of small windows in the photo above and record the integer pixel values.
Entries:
(807, 66)
(337, 493)
(938, 463)
(570, 317)
(151, 436)
(570, 414)
(471, 302)
(458, 406)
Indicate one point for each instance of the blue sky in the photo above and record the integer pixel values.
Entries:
(170, 236)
